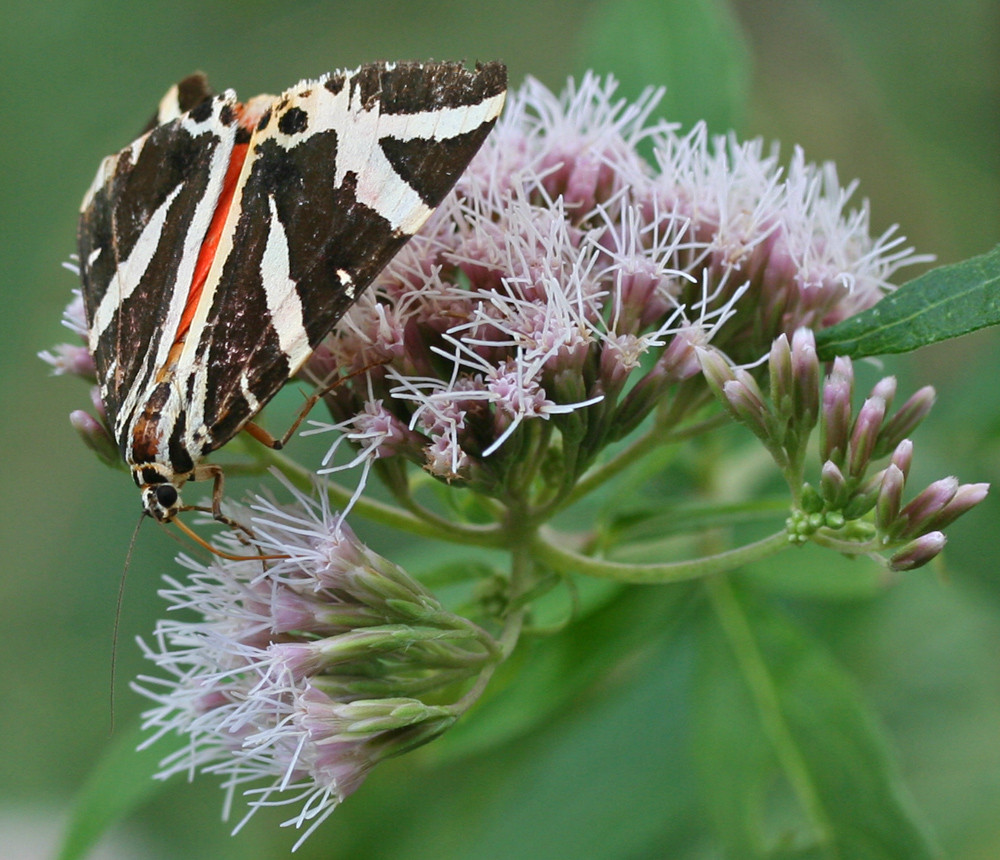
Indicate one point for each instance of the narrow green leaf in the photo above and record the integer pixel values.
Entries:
(792, 762)
(946, 302)
(121, 782)
(695, 48)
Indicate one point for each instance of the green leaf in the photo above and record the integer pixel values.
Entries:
(547, 673)
(607, 777)
(121, 782)
(814, 573)
(651, 521)
(695, 48)
(791, 760)
(946, 302)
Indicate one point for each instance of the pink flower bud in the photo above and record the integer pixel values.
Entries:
(805, 370)
(902, 457)
(95, 435)
(865, 434)
(918, 515)
(966, 497)
(906, 419)
(835, 428)
(715, 368)
(889, 498)
(781, 375)
(886, 389)
(918, 552)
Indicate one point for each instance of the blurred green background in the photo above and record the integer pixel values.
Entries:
(904, 96)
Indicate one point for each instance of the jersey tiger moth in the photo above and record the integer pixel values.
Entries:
(219, 248)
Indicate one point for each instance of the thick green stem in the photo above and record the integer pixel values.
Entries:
(567, 561)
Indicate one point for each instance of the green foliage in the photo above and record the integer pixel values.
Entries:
(792, 762)
(584, 745)
(694, 48)
(120, 784)
(946, 302)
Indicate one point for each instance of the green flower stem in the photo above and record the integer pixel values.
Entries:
(508, 639)
(445, 526)
(755, 672)
(545, 549)
(641, 540)
(850, 547)
(389, 515)
(631, 453)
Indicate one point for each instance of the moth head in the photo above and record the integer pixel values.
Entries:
(160, 489)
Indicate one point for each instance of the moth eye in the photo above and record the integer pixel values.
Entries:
(166, 495)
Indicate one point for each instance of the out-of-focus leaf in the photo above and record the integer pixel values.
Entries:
(695, 48)
(121, 782)
(606, 778)
(545, 673)
(790, 758)
(812, 573)
(658, 521)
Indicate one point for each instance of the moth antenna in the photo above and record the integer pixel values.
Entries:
(118, 618)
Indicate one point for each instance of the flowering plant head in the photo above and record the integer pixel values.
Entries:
(308, 671)
(558, 296)
(567, 295)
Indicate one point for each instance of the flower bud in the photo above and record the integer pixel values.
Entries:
(906, 419)
(746, 402)
(835, 429)
(865, 434)
(966, 497)
(781, 377)
(715, 368)
(889, 498)
(811, 501)
(96, 437)
(834, 520)
(902, 457)
(918, 515)
(833, 485)
(886, 389)
(805, 370)
(918, 552)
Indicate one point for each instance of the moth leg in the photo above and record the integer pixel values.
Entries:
(203, 472)
(265, 438)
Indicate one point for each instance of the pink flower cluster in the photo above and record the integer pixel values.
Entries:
(566, 283)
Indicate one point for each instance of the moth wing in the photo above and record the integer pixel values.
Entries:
(183, 96)
(340, 173)
(142, 223)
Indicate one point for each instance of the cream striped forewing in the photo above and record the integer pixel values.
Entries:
(339, 173)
